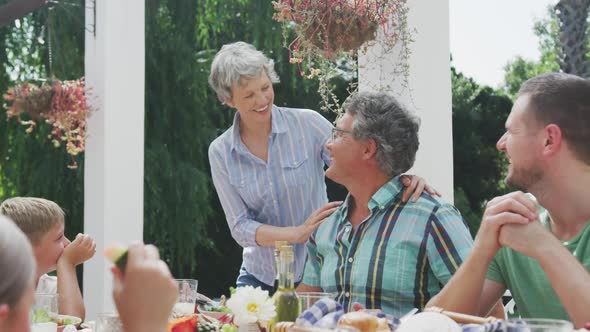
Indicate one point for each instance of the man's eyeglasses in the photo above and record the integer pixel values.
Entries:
(336, 132)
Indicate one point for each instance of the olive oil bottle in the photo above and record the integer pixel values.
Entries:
(286, 300)
(277, 251)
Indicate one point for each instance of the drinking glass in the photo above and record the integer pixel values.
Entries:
(539, 325)
(187, 296)
(308, 299)
(45, 307)
(108, 322)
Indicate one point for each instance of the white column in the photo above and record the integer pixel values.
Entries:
(113, 178)
(430, 89)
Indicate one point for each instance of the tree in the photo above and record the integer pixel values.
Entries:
(519, 70)
(29, 164)
(549, 32)
(573, 18)
(479, 113)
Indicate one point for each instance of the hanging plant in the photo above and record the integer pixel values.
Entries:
(61, 104)
(329, 33)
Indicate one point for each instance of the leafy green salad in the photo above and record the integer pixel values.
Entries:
(42, 316)
(214, 307)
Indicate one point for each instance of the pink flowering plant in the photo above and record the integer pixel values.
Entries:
(61, 104)
(328, 33)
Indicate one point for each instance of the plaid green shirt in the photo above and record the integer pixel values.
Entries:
(397, 259)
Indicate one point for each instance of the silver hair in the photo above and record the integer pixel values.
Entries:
(237, 61)
(394, 128)
(17, 264)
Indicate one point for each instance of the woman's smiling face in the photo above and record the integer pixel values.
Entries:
(253, 99)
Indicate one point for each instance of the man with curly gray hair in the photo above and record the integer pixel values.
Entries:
(377, 250)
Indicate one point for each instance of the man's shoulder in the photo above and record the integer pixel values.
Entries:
(427, 203)
(426, 210)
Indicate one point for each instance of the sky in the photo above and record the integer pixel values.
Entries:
(486, 34)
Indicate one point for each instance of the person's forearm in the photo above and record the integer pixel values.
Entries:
(569, 280)
(266, 235)
(463, 292)
(497, 311)
(70, 297)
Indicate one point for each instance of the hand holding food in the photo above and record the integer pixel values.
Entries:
(147, 280)
(117, 254)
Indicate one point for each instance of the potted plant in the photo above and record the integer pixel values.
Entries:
(61, 104)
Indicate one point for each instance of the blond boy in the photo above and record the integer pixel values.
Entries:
(43, 222)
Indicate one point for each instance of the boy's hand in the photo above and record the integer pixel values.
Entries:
(80, 250)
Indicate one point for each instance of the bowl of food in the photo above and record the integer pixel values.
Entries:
(65, 320)
(213, 309)
(42, 316)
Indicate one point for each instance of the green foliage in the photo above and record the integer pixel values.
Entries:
(29, 164)
(176, 194)
(479, 114)
(519, 70)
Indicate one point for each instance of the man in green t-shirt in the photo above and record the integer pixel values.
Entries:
(541, 254)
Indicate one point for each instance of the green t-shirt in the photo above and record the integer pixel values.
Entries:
(526, 280)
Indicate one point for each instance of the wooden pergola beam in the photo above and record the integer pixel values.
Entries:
(17, 9)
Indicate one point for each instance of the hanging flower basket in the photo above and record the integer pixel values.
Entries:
(330, 31)
(61, 104)
(333, 25)
(343, 35)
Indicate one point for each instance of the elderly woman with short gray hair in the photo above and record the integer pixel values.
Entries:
(268, 167)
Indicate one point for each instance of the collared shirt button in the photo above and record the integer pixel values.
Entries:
(382, 207)
(350, 259)
(347, 294)
(347, 229)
